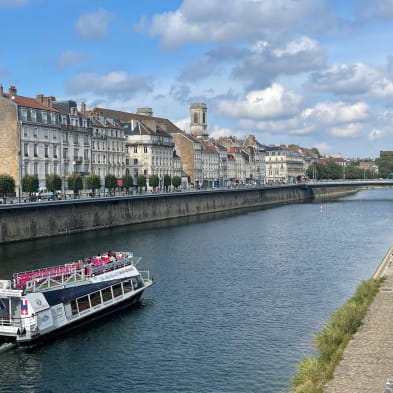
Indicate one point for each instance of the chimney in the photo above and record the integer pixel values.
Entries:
(144, 111)
(39, 98)
(12, 91)
(83, 108)
(1, 89)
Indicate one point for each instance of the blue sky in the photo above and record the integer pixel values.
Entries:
(310, 72)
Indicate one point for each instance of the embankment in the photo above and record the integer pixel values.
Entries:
(44, 219)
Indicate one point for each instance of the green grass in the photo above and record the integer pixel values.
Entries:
(314, 371)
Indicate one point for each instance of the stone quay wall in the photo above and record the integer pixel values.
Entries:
(45, 219)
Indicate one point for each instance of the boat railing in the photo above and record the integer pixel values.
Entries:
(109, 266)
(6, 321)
(55, 280)
(145, 275)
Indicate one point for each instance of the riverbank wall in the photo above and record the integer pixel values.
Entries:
(44, 219)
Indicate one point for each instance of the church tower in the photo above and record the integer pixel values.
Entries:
(198, 125)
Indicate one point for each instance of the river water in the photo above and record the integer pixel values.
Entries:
(237, 299)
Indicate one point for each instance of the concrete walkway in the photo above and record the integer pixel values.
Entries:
(367, 364)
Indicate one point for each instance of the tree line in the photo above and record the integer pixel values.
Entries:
(332, 170)
(53, 183)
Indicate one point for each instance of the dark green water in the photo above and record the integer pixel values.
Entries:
(237, 300)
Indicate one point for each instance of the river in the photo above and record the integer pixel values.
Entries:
(237, 299)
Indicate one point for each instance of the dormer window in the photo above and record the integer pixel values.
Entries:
(44, 117)
(33, 115)
(24, 114)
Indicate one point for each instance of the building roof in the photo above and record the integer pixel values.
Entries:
(125, 117)
(29, 102)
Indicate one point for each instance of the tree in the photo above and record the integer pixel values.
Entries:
(53, 183)
(7, 185)
(75, 183)
(176, 181)
(93, 182)
(127, 182)
(30, 184)
(385, 163)
(110, 182)
(154, 181)
(141, 181)
(167, 182)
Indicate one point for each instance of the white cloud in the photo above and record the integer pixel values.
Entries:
(377, 9)
(355, 79)
(273, 102)
(217, 131)
(70, 58)
(183, 124)
(336, 112)
(265, 60)
(347, 131)
(323, 147)
(115, 83)
(223, 21)
(94, 25)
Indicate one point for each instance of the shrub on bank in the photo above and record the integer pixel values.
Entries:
(314, 372)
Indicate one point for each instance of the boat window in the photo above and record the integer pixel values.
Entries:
(95, 299)
(74, 307)
(83, 303)
(127, 287)
(136, 282)
(117, 291)
(106, 294)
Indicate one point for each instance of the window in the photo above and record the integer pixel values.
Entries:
(127, 287)
(106, 294)
(95, 299)
(135, 161)
(36, 168)
(54, 134)
(55, 169)
(46, 151)
(44, 116)
(33, 115)
(54, 151)
(35, 132)
(35, 150)
(65, 138)
(86, 154)
(26, 149)
(46, 133)
(135, 149)
(195, 117)
(24, 114)
(117, 290)
(76, 140)
(145, 149)
(46, 169)
(25, 131)
(65, 153)
(204, 117)
(83, 303)
(53, 118)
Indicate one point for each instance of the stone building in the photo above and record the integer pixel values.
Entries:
(30, 133)
(198, 125)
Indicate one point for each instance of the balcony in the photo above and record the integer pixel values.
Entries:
(78, 159)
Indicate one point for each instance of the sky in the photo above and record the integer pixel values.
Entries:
(317, 73)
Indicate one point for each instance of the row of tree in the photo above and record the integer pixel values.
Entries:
(53, 183)
(333, 171)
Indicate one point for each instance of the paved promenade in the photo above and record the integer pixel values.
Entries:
(367, 364)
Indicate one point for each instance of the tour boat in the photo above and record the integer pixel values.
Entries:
(37, 304)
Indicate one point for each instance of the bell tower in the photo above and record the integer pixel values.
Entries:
(198, 125)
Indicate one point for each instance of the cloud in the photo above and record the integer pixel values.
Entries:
(351, 130)
(183, 124)
(70, 58)
(323, 147)
(375, 134)
(224, 21)
(358, 80)
(337, 112)
(272, 102)
(199, 69)
(218, 131)
(94, 25)
(266, 61)
(13, 3)
(116, 83)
